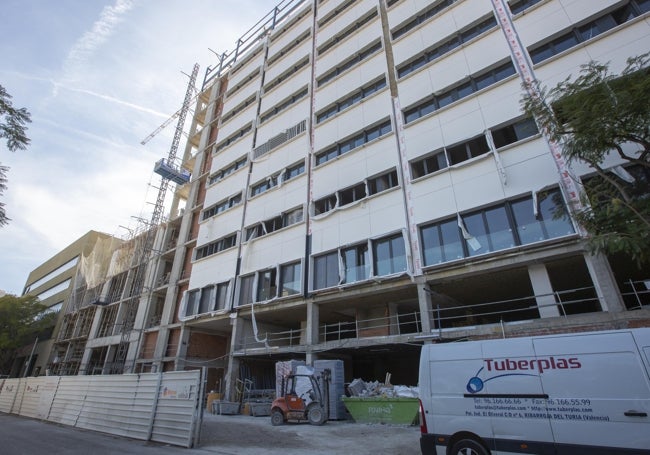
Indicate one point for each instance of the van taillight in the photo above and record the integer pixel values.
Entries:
(423, 421)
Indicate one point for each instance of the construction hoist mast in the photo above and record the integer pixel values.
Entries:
(168, 172)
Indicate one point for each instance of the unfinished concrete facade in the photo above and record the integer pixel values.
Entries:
(363, 178)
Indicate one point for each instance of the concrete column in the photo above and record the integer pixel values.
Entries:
(606, 289)
(232, 371)
(312, 334)
(543, 291)
(426, 307)
(181, 349)
(393, 319)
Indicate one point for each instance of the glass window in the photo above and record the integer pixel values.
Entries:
(192, 302)
(501, 236)
(383, 182)
(552, 211)
(451, 240)
(353, 194)
(529, 228)
(206, 299)
(431, 245)
(266, 287)
(355, 263)
(246, 289)
(457, 154)
(326, 270)
(324, 205)
(475, 226)
(390, 255)
(220, 297)
(290, 279)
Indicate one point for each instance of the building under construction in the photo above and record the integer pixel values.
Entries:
(363, 178)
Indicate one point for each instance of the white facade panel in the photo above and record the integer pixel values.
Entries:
(552, 17)
(469, 11)
(272, 249)
(528, 167)
(279, 158)
(342, 20)
(350, 46)
(404, 11)
(351, 121)
(461, 121)
(285, 62)
(352, 167)
(300, 21)
(422, 137)
(214, 269)
(631, 40)
(386, 213)
(414, 87)
(237, 122)
(246, 66)
(218, 226)
(267, 206)
(433, 197)
(476, 182)
(224, 189)
(280, 123)
(486, 50)
(329, 93)
(273, 96)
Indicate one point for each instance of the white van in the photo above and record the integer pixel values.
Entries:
(558, 394)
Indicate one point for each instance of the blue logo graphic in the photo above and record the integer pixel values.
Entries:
(476, 384)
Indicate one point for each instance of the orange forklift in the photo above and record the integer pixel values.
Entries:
(312, 405)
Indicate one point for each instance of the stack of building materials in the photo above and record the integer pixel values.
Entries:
(336, 386)
(283, 369)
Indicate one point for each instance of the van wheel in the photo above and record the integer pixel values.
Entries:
(468, 447)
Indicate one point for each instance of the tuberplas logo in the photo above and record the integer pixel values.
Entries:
(519, 367)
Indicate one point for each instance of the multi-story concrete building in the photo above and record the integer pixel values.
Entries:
(363, 178)
(363, 175)
(54, 282)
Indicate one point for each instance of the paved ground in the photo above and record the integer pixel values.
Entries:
(224, 435)
(256, 436)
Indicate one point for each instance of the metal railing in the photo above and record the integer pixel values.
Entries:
(636, 294)
(566, 302)
(271, 20)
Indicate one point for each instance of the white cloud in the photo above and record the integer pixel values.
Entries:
(117, 80)
(101, 30)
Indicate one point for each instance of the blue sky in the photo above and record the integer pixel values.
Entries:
(97, 78)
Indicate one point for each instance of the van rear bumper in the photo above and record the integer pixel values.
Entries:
(428, 444)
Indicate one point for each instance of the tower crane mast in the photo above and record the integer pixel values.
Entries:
(144, 255)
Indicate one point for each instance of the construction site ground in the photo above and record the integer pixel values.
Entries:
(241, 434)
(221, 434)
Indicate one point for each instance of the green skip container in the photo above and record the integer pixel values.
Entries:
(401, 411)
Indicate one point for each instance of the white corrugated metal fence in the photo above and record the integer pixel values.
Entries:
(161, 407)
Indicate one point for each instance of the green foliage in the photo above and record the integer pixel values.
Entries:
(12, 128)
(21, 320)
(592, 116)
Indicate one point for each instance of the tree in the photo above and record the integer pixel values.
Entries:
(22, 319)
(12, 128)
(592, 116)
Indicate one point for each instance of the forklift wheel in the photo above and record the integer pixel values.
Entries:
(277, 418)
(316, 414)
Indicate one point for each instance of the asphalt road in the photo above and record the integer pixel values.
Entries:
(223, 435)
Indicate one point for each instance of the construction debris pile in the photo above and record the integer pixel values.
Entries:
(362, 389)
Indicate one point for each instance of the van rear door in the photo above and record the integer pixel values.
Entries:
(599, 393)
(513, 397)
